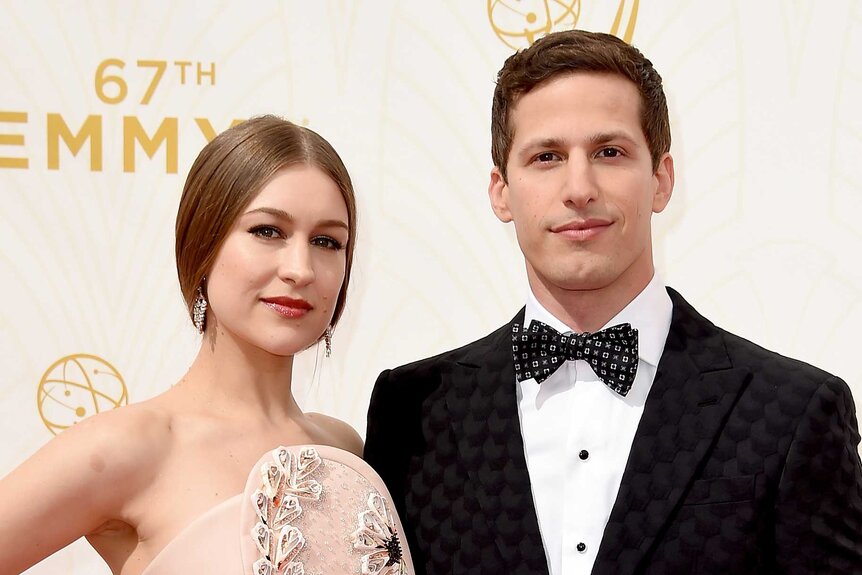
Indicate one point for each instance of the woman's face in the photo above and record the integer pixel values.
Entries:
(276, 278)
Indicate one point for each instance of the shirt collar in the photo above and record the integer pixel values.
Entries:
(649, 312)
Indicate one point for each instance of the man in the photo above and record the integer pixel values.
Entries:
(654, 443)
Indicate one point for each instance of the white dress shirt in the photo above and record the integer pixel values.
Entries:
(578, 434)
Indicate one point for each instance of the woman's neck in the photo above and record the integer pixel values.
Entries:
(238, 379)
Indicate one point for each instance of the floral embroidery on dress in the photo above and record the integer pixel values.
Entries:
(378, 540)
(284, 481)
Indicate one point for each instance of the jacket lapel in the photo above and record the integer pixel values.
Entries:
(694, 390)
(484, 408)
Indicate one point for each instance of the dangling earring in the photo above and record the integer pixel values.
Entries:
(199, 311)
(327, 340)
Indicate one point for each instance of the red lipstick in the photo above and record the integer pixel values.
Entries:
(287, 306)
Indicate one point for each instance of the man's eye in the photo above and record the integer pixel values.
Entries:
(266, 232)
(609, 153)
(547, 157)
(326, 242)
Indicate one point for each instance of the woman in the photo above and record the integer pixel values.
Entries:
(189, 481)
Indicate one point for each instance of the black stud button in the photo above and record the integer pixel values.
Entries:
(584, 454)
(581, 547)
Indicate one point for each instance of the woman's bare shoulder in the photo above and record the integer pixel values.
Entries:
(338, 433)
(139, 432)
(79, 481)
(122, 445)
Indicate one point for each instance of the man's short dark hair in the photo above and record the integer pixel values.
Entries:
(572, 51)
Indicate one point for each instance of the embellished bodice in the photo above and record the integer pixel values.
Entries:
(306, 510)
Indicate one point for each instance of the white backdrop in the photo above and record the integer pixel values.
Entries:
(761, 235)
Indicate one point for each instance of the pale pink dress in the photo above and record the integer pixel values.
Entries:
(306, 509)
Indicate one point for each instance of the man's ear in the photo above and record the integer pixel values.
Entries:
(664, 178)
(498, 193)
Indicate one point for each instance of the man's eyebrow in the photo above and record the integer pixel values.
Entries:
(544, 143)
(595, 140)
(605, 137)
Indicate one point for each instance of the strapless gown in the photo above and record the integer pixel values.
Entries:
(306, 510)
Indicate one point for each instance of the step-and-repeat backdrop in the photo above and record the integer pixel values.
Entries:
(104, 105)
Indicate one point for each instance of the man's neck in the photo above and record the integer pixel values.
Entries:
(587, 310)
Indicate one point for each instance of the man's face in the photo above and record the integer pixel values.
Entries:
(581, 189)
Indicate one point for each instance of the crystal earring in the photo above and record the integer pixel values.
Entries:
(327, 339)
(199, 311)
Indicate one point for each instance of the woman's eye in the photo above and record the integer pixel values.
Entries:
(326, 242)
(266, 232)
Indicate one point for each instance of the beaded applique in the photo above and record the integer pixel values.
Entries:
(378, 540)
(285, 480)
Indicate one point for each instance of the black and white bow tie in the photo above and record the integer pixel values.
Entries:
(612, 353)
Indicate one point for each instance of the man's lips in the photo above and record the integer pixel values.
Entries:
(582, 229)
(287, 306)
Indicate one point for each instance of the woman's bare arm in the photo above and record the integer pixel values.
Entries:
(79, 481)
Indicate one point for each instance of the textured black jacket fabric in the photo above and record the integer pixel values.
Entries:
(744, 462)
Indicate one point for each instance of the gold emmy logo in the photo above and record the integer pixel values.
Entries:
(77, 386)
(518, 23)
(116, 82)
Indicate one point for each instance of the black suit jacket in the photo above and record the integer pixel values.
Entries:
(744, 462)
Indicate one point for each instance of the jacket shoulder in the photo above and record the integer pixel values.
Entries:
(771, 366)
(470, 353)
(767, 366)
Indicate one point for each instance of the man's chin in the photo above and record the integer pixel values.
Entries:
(582, 282)
(582, 285)
(577, 276)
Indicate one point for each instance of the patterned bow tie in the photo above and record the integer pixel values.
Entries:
(612, 353)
